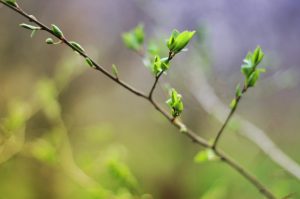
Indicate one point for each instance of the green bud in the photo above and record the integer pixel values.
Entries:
(89, 62)
(57, 32)
(178, 41)
(205, 155)
(233, 104)
(238, 91)
(49, 41)
(171, 41)
(257, 56)
(115, 70)
(160, 64)
(77, 46)
(175, 103)
(249, 68)
(156, 68)
(252, 80)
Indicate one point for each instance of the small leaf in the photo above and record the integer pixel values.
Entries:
(253, 78)
(178, 41)
(139, 33)
(156, 68)
(77, 46)
(205, 155)
(89, 62)
(130, 41)
(115, 70)
(175, 103)
(246, 70)
(29, 27)
(251, 61)
(12, 3)
(159, 65)
(134, 39)
(238, 91)
(257, 56)
(49, 41)
(183, 39)
(165, 63)
(33, 33)
(171, 41)
(57, 32)
(233, 104)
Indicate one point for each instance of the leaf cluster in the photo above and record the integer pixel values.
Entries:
(175, 103)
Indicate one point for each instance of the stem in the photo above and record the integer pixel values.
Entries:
(170, 57)
(189, 133)
(150, 96)
(220, 132)
(232, 163)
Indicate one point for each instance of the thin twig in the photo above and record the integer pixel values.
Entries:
(193, 136)
(96, 66)
(219, 134)
(213, 105)
(170, 57)
(150, 96)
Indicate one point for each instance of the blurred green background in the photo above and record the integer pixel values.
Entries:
(66, 131)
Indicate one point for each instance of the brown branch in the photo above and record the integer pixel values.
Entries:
(150, 96)
(219, 134)
(193, 136)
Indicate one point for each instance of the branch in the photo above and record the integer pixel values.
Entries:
(219, 134)
(170, 57)
(193, 136)
(212, 104)
(98, 67)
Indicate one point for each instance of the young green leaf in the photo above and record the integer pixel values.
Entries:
(134, 39)
(12, 3)
(160, 64)
(238, 91)
(171, 41)
(178, 41)
(139, 33)
(233, 104)
(130, 41)
(33, 33)
(77, 46)
(156, 66)
(115, 70)
(49, 41)
(175, 103)
(29, 27)
(182, 40)
(89, 62)
(249, 68)
(57, 32)
(257, 56)
(205, 155)
(254, 77)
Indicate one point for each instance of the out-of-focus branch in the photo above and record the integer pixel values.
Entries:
(210, 102)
